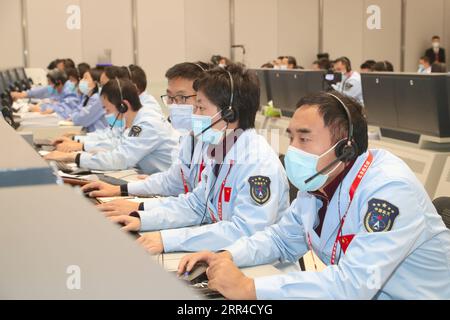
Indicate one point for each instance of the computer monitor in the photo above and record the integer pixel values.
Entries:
(406, 106)
(289, 86)
(3, 86)
(265, 95)
(13, 75)
(21, 74)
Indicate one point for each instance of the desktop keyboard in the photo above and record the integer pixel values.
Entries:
(111, 180)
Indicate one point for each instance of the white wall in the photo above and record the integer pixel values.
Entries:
(107, 24)
(49, 37)
(11, 34)
(171, 31)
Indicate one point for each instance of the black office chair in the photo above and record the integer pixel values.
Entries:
(442, 206)
(292, 189)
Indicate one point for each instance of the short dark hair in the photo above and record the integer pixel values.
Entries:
(129, 92)
(72, 72)
(69, 63)
(95, 74)
(346, 62)
(57, 77)
(293, 61)
(187, 70)
(52, 65)
(335, 118)
(436, 37)
(368, 64)
(215, 84)
(82, 68)
(138, 77)
(113, 72)
(384, 66)
(425, 59)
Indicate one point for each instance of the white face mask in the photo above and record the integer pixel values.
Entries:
(436, 45)
(180, 117)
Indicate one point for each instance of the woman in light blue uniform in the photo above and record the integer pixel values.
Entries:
(90, 114)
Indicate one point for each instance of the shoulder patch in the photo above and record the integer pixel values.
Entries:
(259, 189)
(380, 216)
(348, 86)
(135, 131)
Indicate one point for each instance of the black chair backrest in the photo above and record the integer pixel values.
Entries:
(293, 191)
(443, 208)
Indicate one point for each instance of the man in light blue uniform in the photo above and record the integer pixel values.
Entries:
(145, 143)
(351, 80)
(184, 174)
(363, 212)
(243, 187)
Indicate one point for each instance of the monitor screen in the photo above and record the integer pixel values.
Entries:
(289, 86)
(264, 95)
(13, 75)
(21, 74)
(412, 103)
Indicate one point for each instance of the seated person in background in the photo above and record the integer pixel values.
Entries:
(424, 65)
(267, 65)
(244, 186)
(289, 63)
(351, 80)
(58, 89)
(90, 113)
(363, 212)
(367, 66)
(145, 143)
(436, 53)
(83, 67)
(185, 174)
(383, 66)
(321, 64)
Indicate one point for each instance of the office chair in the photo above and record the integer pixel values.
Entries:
(442, 206)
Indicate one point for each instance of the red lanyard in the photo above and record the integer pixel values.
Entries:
(183, 178)
(362, 172)
(219, 206)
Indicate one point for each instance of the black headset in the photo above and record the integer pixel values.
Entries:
(346, 150)
(228, 114)
(122, 108)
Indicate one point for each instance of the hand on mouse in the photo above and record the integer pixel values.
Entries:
(188, 262)
(152, 242)
(129, 223)
(118, 207)
(69, 146)
(228, 280)
(101, 189)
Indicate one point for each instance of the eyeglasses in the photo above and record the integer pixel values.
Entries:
(167, 100)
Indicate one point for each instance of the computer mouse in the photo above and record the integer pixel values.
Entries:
(197, 274)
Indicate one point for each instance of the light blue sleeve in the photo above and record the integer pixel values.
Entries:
(87, 116)
(65, 107)
(247, 216)
(283, 241)
(370, 259)
(170, 182)
(185, 210)
(127, 154)
(40, 92)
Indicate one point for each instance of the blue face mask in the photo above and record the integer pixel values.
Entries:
(210, 136)
(180, 117)
(71, 86)
(111, 118)
(51, 90)
(84, 87)
(301, 165)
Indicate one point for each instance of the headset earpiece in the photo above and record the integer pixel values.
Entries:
(346, 150)
(122, 108)
(230, 114)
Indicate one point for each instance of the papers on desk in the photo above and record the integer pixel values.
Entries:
(37, 120)
(43, 153)
(65, 123)
(109, 199)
